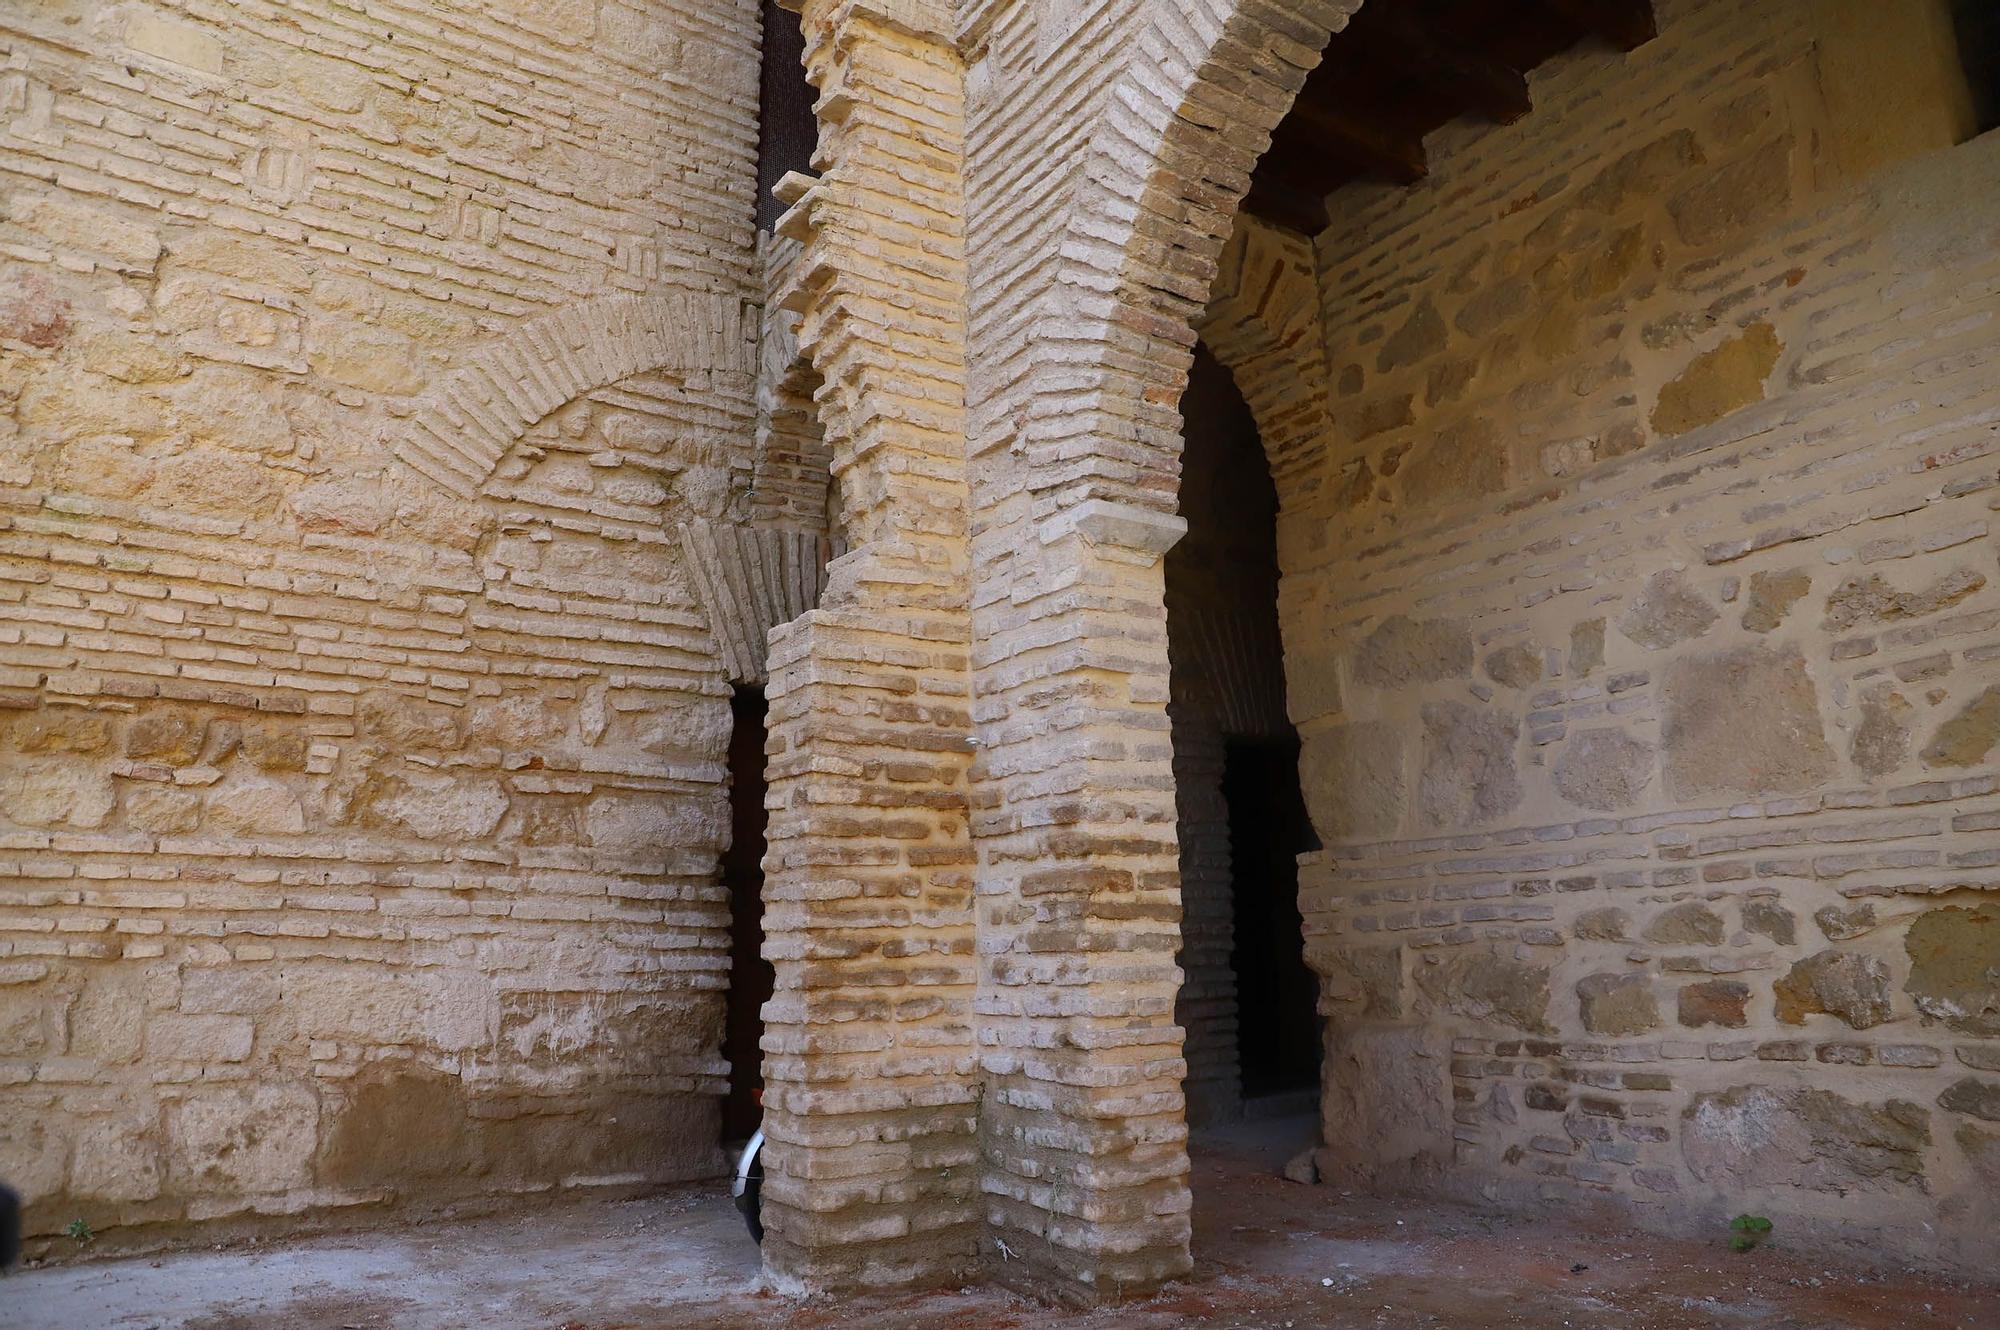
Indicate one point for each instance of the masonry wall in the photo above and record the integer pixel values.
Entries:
(362, 721)
(1640, 608)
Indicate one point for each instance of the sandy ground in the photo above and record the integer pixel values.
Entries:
(1270, 1255)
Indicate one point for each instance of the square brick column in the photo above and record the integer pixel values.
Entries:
(870, 1105)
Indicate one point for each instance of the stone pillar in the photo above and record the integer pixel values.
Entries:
(1086, 1161)
(870, 1105)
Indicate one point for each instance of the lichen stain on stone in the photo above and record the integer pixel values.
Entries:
(1719, 382)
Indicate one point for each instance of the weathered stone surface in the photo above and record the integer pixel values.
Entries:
(1487, 986)
(163, 809)
(1369, 978)
(248, 1140)
(1469, 773)
(36, 1153)
(449, 1010)
(1772, 920)
(1379, 415)
(56, 792)
(1721, 1002)
(1517, 666)
(434, 807)
(1719, 382)
(1401, 652)
(1691, 924)
(1604, 769)
(1846, 984)
(1842, 922)
(1955, 967)
(1462, 462)
(1743, 722)
(1387, 1109)
(1745, 193)
(1772, 595)
(1642, 173)
(1882, 739)
(1968, 737)
(1668, 610)
(60, 732)
(1870, 598)
(172, 735)
(256, 808)
(1974, 1098)
(1606, 924)
(1353, 779)
(406, 722)
(1768, 1136)
(1617, 1004)
(231, 991)
(1494, 307)
(1982, 1151)
(176, 1037)
(1420, 336)
(1586, 647)
(116, 1159)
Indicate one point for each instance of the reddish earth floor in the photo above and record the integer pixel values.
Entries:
(1270, 1254)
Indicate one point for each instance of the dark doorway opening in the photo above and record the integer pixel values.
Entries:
(1253, 1029)
(1277, 1041)
(750, 975)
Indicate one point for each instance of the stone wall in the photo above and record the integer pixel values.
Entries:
(361, 763)
(1640, 605)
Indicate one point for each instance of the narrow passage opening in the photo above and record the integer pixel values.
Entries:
(1248, 1001)
(750, 975)
(1278, 1043)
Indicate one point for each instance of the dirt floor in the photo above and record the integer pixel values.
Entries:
(1270, 1254)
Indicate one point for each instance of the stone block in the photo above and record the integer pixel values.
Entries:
(1974, 1098)
(1847, 984)
(1470, 773)
(1955, 967)
(1717, 1002)
(1968, 737)
(116, 1159)
(1402, 652)
(1743, 722)
(245, 1140)
(1772, 595)
(1353, 779)
(1772, 1136)
(1617, 1005)
(183, 1038)
(1487, 986)
(1604, 769)
(1667, 611)
(1691, 924)
(1718, 383)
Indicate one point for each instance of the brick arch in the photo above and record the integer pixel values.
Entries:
(1158, 195)
(470, 420)
(1083, 323)
(1262, 323)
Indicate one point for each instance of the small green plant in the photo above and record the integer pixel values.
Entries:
(1746, 1231)
(81, 1230)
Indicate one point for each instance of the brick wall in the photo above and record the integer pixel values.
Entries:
(361, 767)
(1645, 581)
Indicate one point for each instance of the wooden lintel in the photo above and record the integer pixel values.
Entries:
(1367, 144)
(1476, 82)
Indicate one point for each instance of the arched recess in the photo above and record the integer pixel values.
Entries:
(1261, 326)
(475, 416)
